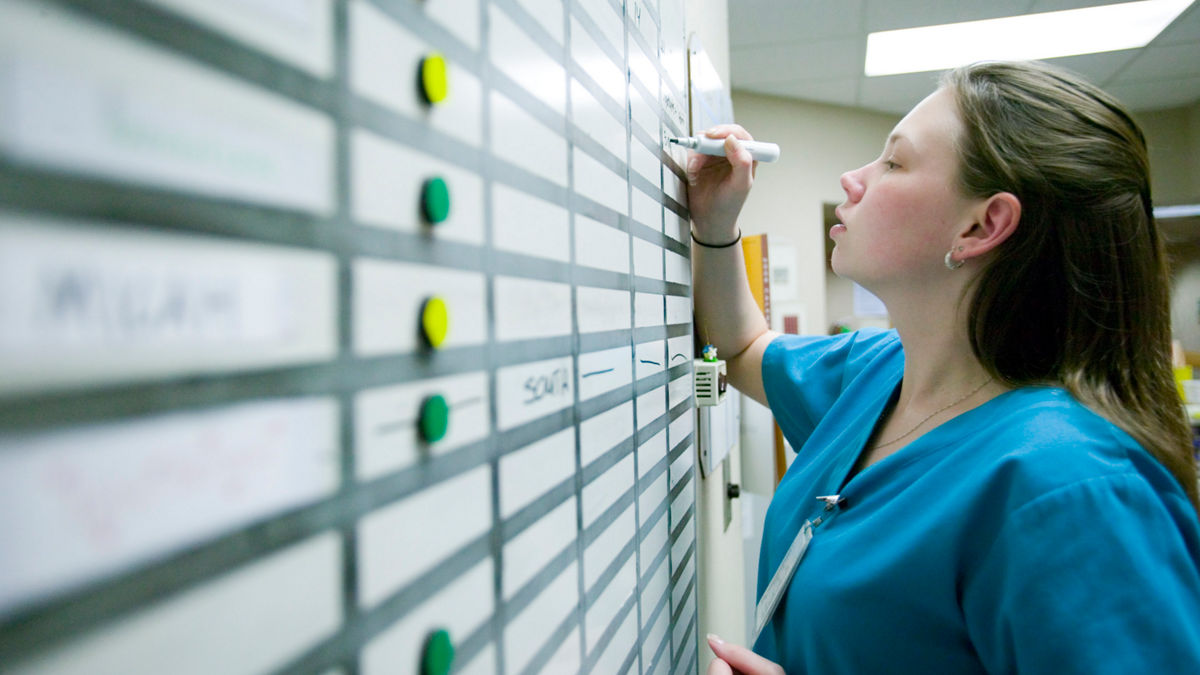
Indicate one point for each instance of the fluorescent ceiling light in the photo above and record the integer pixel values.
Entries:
(1020, 38)
(1181, 211)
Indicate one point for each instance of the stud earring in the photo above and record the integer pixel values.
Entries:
(951, 263)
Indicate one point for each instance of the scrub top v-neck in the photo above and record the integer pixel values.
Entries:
(929, 562)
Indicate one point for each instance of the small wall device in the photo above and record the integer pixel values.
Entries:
(710, 381)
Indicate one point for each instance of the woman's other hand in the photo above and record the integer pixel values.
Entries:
(738, 660)
(718, 186)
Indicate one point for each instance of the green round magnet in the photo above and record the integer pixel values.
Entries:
(435, 200)
(438, 654)
(435, 418)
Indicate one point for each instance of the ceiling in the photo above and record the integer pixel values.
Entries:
(814, 50)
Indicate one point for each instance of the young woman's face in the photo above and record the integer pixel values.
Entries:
(903, 209)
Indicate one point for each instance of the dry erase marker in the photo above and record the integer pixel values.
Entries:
(763, 152)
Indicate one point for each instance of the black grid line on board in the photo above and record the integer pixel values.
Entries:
(348, 533)
(494, 626)
(126, 593)
(92, 404)
(62, 194)
(578, 546)
(635, 601)
(104, 202)
(211, 47)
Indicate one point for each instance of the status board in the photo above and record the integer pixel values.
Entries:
(345, 336)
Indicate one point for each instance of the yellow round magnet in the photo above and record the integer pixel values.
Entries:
(435, 78)
(435, 321)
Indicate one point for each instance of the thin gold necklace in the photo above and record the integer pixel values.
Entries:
(908, 433)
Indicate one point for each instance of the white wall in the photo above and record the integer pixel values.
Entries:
(818, 143)
(839, 301)
(710, 20)
(721, 598)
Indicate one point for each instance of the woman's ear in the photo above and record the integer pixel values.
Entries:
(996, 218)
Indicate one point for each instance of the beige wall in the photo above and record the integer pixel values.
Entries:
(818, 143)
(720, 572)
(1185, 305)
(1173, 139)
(1194, 132)
(1185, 297)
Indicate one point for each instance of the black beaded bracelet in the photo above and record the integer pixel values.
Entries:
(735, 240)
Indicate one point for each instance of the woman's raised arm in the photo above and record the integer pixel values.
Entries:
(727, 316)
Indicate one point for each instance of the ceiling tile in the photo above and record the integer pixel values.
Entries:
(1154, 62)
(775, 63)
(1099, 68)
(1185, 29)
(893, 14)
(758, 22)
(840, 91)
(814, 50)
(1157, 95)
(896, 93)
(1040, 6)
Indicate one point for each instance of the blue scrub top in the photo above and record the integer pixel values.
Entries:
(1026, 535)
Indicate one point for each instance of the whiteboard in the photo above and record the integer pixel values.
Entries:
(304, 367)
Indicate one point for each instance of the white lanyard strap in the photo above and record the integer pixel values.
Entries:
(783, 574)
(769, 601)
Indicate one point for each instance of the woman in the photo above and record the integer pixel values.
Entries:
(1004, 483)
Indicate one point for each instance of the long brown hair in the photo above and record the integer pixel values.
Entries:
(1078, 296)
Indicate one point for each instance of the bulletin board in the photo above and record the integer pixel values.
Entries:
(345, 336)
